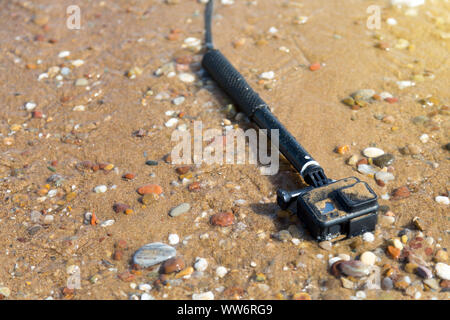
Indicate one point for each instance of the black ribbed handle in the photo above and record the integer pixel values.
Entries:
(249, 102)
(232, 82)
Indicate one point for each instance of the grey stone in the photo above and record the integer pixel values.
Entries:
(153, 253)
(178, 210)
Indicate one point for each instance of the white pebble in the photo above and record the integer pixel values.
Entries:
(367, 169)
(397, 243)
(368, 237)
(442, 200)
(442, 270)
(221, 271)
(107, 223)
(267, 75)
(424, 138)
(405, 84)
(409, 3)
(384, 95)
(186, 77)
(178, 100)
(368, 258)
(273, 30)
(145, 287)
(79, 108)
(101, 188)
(201, 264)
(146, 296)
(77, 63)
(64, 54)
(173, 239)
(344, 256)
(227, 2)
(391, 21)
(29, 106)
(203, 296)
(48, 219)
(384, 176)
(171, 122)
(372, 152)
(360, 294)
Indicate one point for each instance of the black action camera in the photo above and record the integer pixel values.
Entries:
(340, 209)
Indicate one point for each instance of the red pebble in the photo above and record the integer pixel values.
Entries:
(401, 193)
(391, 100)
(222, 219)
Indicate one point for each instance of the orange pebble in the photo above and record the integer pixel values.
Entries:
(150, 188)
(315, 66)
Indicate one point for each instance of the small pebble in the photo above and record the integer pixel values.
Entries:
(100, 189)
(267, 75)
(368, 237)
(180, 209)
(186, 77)
(153, 253)
(442, 270)
(401, 193)
(367, 169)
(203, 296)
(222, 219)
(368, 258)
(172, 265)
(372, 152)
(424, 138)
(384, 160)
(394, 252)
(173, 239)
(5, 292)
(146, 296)
(171, 122)
(201, 264)
(387, 283)
(326, 245)
(354, 268)
(441, 256)
(150, 188)
(424, 272)
(442, 200)
(221, 271)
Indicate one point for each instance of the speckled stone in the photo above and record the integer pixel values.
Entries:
(384, 160)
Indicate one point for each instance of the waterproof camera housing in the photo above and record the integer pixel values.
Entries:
(341, 209)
